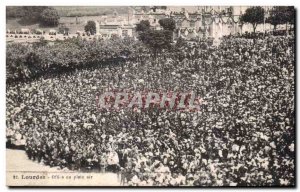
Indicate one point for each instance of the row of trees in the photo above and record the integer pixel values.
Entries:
(26, 61)
(278, 15)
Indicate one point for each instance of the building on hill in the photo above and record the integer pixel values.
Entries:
(108, 31)
(117, 25)
(194, 22)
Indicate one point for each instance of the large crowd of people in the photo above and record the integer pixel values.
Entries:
(243, 134)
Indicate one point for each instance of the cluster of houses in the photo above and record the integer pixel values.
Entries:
(191, 23)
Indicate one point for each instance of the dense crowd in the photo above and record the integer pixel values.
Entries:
(243, 134)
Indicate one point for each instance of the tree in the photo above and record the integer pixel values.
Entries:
(275, 17)
(50, 17)
(144, 25)
(13, 11)
(157, 40)
(90, 27)
(282, 15)
(253, 15)
(167, 24)
(29, 14)
(32, 12)
(290, 16)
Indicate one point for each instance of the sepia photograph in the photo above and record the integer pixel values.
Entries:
(150, 96)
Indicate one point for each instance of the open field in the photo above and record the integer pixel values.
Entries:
(73, 11)
(15, 24)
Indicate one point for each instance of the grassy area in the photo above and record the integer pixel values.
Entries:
(16, 24)
(73, 11)
(73, 17)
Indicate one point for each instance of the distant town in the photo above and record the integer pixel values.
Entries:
(192, 23)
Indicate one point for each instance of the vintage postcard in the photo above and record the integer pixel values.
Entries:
(150, 96)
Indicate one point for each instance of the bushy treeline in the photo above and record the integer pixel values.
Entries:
(26, 61)
(29, 15)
